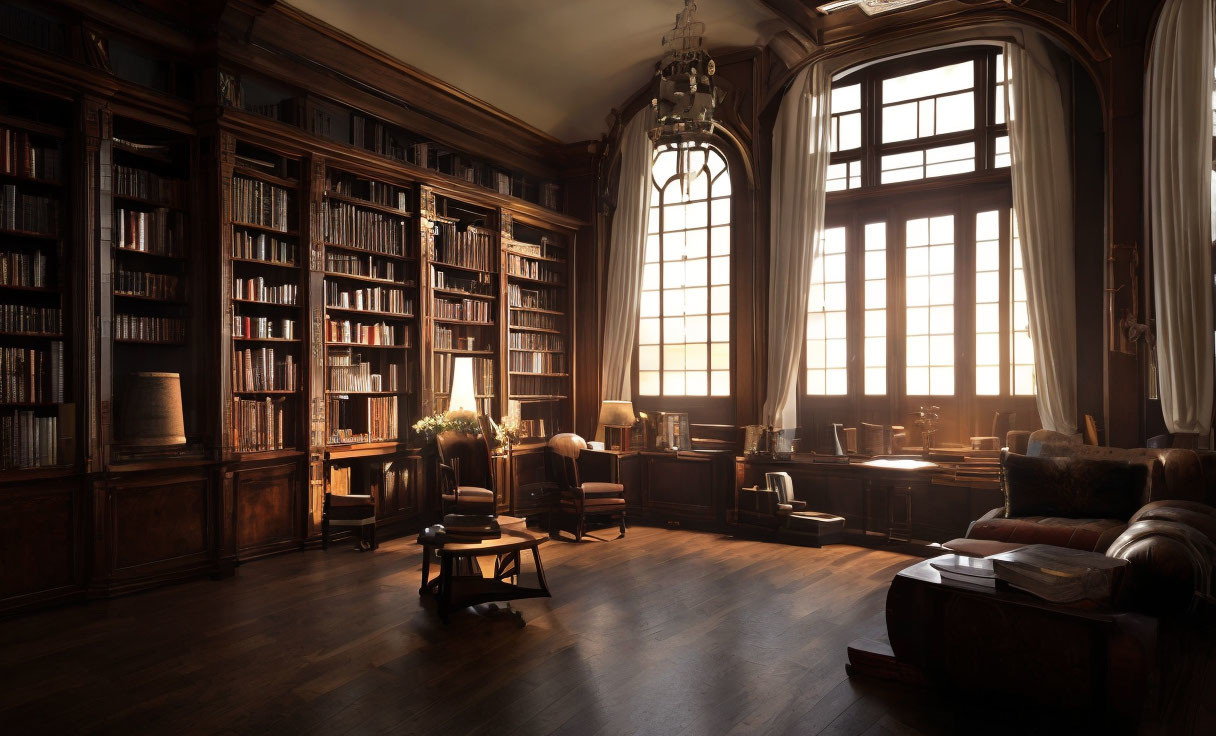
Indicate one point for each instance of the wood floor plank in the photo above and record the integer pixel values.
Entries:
(663, 632)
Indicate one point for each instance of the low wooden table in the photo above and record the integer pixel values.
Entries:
(460, 582)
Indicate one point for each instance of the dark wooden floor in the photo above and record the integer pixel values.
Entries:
(663, 632)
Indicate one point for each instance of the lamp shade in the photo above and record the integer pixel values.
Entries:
(152, 410)
(463, 401)
(617, 414)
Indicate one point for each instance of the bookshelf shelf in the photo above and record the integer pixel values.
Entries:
(152, 299)
(364, 345)
(266, 229)
(253, 173)
(468, 322)
(366, 279)
(260, 262)
(463, 294)
(258, 303)
(30, 180)
(371, 312)
(147, 202)
(532, 256)
(366, 251)
(39, 335)
(546, 330)
(16, 233)
(471, 269)
(387, 209)
(537, 310)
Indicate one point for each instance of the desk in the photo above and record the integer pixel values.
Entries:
(687, 487)
(937, 505)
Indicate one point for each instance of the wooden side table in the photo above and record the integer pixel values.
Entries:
(460, 582)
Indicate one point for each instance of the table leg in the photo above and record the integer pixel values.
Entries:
(540, 570)
(445, 586)
(427, 551)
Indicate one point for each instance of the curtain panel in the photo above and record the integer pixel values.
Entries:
(1179, 166)
(1042, 202)
(799, 171)
(626, 252)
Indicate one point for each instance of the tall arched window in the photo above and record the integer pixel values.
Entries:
(918, 295)
(684, 324)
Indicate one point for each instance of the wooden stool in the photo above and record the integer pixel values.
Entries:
(343, 510)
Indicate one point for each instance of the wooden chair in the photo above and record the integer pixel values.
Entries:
(580, 500)
(346, 510)
(466, 478)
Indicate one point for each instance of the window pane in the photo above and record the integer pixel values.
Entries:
(952, 78)
(955, 113)
(1001, 152)
(827, 326)
(689, 251)
(899, 123)
(929, 367)
(1022, 348)
(875, 328)
(845, 99)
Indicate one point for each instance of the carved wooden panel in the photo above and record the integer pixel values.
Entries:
(681, 487)
(159, 521)
(268, 509)
(40, 527)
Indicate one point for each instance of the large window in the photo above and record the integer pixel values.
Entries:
(684, 324)
(918, 295)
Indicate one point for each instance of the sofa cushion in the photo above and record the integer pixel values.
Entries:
(1092, 535)
(1173, 473)
(1072, 487)
(979, 547)
(594, 489)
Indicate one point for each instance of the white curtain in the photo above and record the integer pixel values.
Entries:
(800, 161)
(1042, 201)
(1179, 166)
(626, 251)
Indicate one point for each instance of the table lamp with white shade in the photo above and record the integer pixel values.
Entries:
(463, 402)
(618, 416)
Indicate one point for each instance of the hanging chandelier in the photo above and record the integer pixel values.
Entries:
(685, 97)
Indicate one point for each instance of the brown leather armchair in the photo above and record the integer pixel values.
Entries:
(579, 499)
(466, 480)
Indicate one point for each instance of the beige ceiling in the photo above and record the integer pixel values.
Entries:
(559, 65)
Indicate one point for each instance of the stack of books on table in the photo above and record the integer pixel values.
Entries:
(966, 572)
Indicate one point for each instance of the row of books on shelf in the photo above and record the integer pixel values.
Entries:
(260, 203)
(143, 283)
(32, 375)
(483, 374)
(20, 156)
(527, 362)
(532, 428)
(380, 416)
(350, 225)
(470, 248)
(357, 333)
(365, 266)
(28, 440)
(447, 339)
(482, 285)
(537, 386)
(160, 231)
(26, 318)
(29, 213)
(262, 369)
(533, 298)
(137, 328)
(262, 247)
(535, 341)
(535, 320)
(369, 299)
(394, 484)
(263, 327)
(470, 310)
(530, 269)
(348, 372)
(132, 182)
(375, 192)
(257, 290)
(23, 269)
(258, 424)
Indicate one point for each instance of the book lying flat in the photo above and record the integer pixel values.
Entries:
(1059, 574)
(962, 569)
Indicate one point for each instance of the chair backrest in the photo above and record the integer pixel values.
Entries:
(469, 455)
(564, 449)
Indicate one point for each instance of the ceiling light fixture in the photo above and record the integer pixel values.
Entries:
(869, 7)
(685, 97)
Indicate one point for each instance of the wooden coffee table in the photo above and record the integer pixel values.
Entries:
(460, 582)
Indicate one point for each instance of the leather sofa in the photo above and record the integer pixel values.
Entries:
(1153, 507)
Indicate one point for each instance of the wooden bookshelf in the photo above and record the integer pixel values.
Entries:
(36, 383)
(539, 358)
(266, 302)
(371, 296)
(463, 297)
